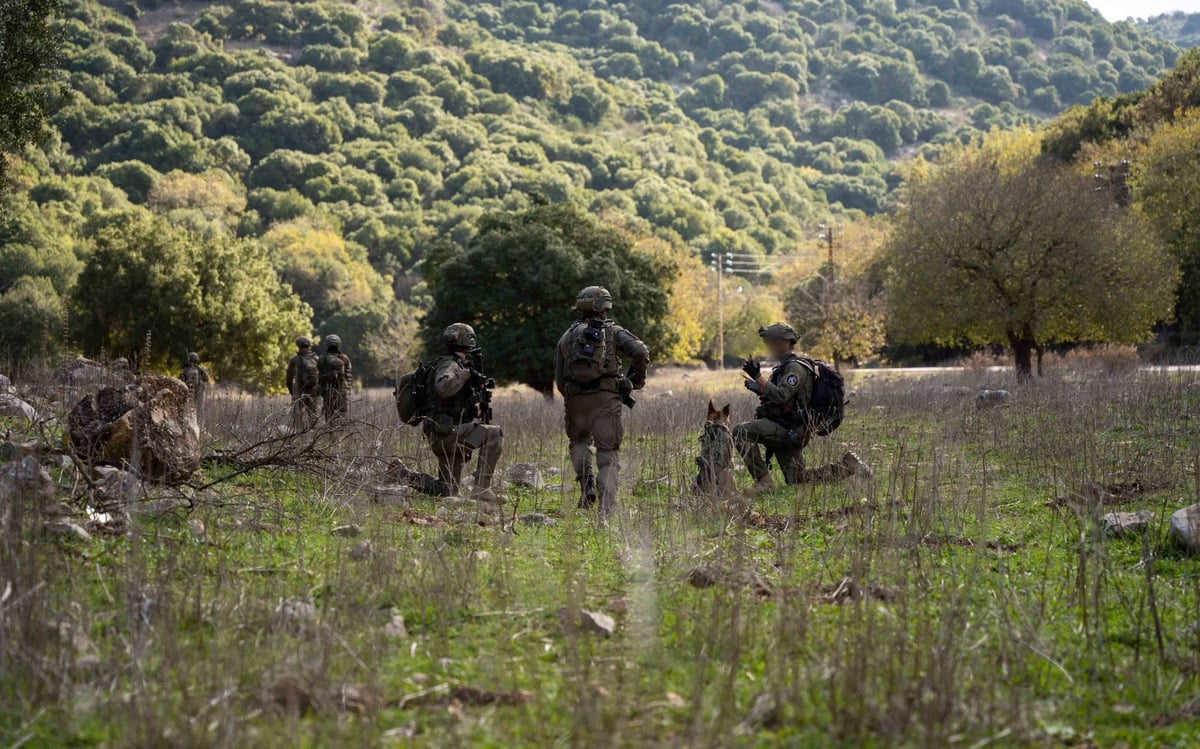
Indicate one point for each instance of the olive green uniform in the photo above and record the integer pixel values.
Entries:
(196, 379)
(776, 427)
(453, 428)
(304, 389)
(593, 407)
(335, 384)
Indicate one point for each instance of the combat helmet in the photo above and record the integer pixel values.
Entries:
(303, 342)
(593, 299)
(193, 358)
(334, 341)
(779, 330)
(459, 336)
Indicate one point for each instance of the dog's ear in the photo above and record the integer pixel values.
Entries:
(725, 412)
(712, 409)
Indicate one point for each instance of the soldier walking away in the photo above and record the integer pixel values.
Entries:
(196, 379)
(304, 383)
(460, 414)
(587, 371)
(334, 380)
(782, 423)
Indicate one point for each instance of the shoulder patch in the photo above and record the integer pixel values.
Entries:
(792, 380)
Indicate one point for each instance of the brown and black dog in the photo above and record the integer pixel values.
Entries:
(716, 455)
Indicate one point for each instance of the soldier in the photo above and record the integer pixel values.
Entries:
(334, 380)
(779, 424)
(587, 371)
(196, 379)
(460, 412)
(304, 383)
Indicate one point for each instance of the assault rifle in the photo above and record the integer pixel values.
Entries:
(482, 386)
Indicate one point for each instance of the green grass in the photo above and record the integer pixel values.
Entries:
(1004, 618)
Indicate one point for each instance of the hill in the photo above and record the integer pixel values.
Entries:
(349, 140)
(1182, 29)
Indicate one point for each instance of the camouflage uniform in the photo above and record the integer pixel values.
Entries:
(335, 380)
(196, 378)
(593, 407)
(779, 425)
(303, 382)
(453, 428)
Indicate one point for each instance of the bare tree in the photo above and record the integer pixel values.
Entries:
(997, 246)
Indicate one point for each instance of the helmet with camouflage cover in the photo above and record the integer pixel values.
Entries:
(120, 363)
(778, 330)
(459, 336)
(303, 342)
(333, 340)
(593, 299)
(193, 358)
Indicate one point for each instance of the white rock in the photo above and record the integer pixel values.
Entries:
(525, 474)
(594, 621)
(1127, 523)
(991, 398)
(347, 531)
(363, 551)
(395, 628)
(1185, 527)
(67, 528)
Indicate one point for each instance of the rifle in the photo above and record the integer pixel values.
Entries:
(625, 388)
(482, 386)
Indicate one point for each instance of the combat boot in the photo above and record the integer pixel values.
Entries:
(855, 467)
(587, 493)
(762, 486)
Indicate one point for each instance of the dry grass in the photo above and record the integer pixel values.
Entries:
(950, 601)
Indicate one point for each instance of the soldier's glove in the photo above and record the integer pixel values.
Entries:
(752, 369)
(753, 387)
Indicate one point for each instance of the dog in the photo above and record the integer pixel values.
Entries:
(715, 462)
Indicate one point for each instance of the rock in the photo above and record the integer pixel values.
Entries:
(1185, 528)
(986, 399)
(25, 479)
(347, 531)
(397, 495)
(395, 628)
(1127, 523)
(152, 418)
(15, 408)
(198, 531)
(362, 551)
(596, 622)
(67, 528)
(553, 471)
(115, 487)
(537, 518)
(525, 474)
(481, 555)
(295, 615)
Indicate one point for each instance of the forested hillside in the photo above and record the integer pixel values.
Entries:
(1181, 28)
(339, 143)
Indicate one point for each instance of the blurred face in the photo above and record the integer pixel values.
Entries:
(778, 347)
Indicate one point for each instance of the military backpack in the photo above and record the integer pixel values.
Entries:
(333, 370)
(827, 405)
(412, 395)
(308, 372)
(592, 354)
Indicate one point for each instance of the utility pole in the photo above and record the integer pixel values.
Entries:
(719, 262)
(827, 235)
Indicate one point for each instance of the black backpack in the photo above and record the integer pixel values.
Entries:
(827, 406)
(308, 373)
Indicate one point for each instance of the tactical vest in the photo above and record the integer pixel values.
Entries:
(333, 370)
(458, 408)
(787, 412)
(592, 353)
(191, 377)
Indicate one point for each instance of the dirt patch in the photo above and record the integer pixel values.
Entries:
(464, 696)
(711, 575)
(849, 590)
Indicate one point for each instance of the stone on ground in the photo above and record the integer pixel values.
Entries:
(1127, 523)
(525, 475)
(1185, 528)
(986, 399)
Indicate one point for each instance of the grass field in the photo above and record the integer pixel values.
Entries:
(966, 596)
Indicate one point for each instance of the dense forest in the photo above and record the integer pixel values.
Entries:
(337, 145)
(1181, 28)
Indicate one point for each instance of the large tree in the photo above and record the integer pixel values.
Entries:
(218, 296)
(994, 245)
(29, 45)
(838, 315)
(516, 284)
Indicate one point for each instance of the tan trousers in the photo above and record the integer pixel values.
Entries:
(454, 450)
(595, 419)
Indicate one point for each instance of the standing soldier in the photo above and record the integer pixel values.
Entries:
(303, 382)
(460, 414)
(780, 423)
(587, 371)
(334, 380)
(196, 378)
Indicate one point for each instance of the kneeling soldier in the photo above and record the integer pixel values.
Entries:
(460, 412)
(780, 424)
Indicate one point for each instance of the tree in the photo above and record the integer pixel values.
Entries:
(995, 245)
(219, 296)
(33, 317)
(516, 283)
(1166, 182)
(29, 48)
(838, 316)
